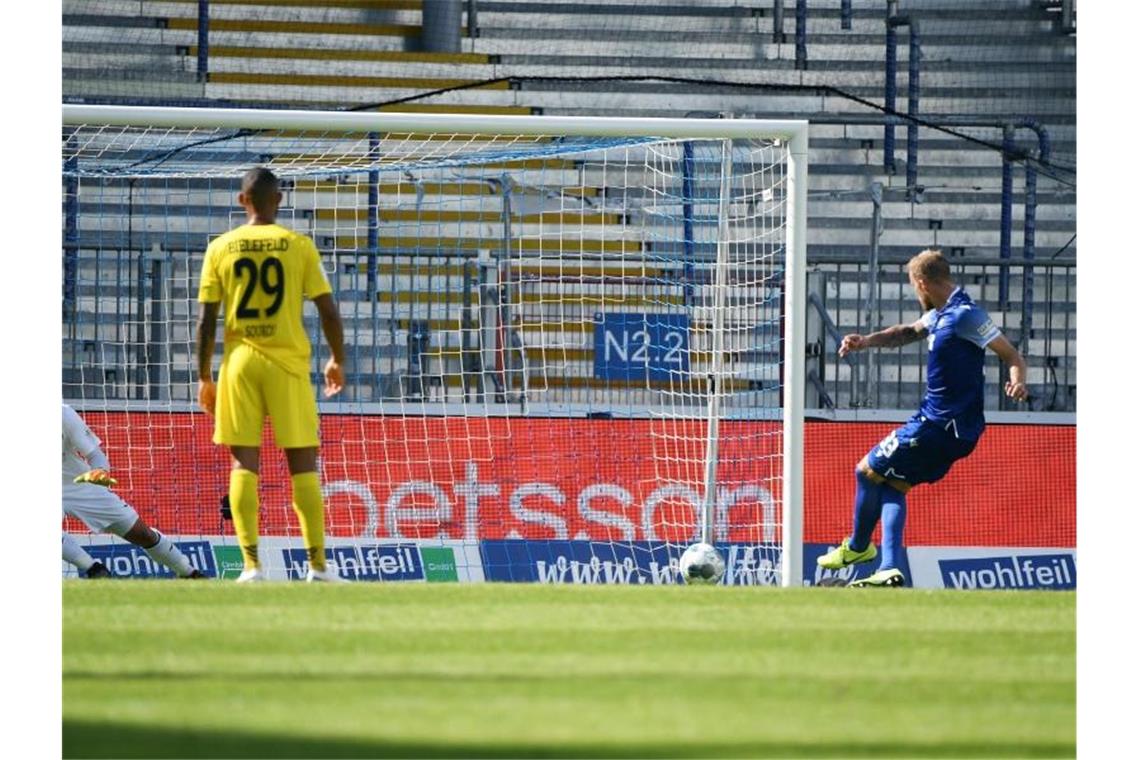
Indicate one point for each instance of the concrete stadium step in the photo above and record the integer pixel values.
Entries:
(153, 58)
(936, 204)
(340, 13)
(378, 86)
(312, 92)
(87, 88)
(190, 7)
(861, 139)
(759, 48)
(130, 78)
(150, 32)
(824, 253)
(959, 181)
(648, 103)
(1063, 133)
(950, 101)
(859, 212)
(109, 47)
(963, 155)
(111, 236)
(677, 49)
(244, 24)
(437, 70)
(435, 64)
(947, 228)
(828, 8)
(705, 6)
(1043, 79)
(934, 99)
(87, 15)
(411, 222)
(639, 19)
(534, 175)
(642, 55)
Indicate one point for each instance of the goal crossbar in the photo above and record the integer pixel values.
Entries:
(793, 131)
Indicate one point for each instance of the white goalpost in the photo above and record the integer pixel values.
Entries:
(575, 344)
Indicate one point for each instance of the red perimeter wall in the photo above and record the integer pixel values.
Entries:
(1017, 489)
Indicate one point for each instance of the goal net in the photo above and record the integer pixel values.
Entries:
(574, 344)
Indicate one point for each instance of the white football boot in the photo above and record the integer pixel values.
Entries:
(253, 575)
(323, 576)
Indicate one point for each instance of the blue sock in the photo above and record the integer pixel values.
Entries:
(868, 507)
(894, 520)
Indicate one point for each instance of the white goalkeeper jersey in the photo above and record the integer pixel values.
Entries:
(78, 441)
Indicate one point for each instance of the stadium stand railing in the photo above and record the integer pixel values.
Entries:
(1003, 61)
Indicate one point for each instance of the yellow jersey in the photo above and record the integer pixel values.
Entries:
(263, 273)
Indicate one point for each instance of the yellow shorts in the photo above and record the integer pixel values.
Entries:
(250, 386)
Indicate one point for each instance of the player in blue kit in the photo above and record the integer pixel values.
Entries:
(946, 427)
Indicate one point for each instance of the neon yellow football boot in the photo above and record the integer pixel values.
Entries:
(843, 556)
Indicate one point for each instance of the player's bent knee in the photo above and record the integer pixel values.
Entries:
(864, 469)
(139, 534)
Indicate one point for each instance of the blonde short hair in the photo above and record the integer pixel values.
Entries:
(929, 265)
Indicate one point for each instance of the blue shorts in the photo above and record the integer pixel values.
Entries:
(918, 452)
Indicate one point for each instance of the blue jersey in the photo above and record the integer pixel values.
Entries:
(957, 336)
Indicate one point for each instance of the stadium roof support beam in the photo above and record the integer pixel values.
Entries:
(890, 88)
(801, 34)
(1029, 229)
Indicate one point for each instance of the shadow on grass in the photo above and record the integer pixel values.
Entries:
(93, 739)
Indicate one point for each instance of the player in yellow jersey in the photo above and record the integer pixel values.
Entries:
(262, 273)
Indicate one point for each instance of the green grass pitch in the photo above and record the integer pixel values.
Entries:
(200, 669)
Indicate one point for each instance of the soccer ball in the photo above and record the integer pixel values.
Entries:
(702, 564)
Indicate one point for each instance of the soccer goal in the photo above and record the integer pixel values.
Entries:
(575, 344)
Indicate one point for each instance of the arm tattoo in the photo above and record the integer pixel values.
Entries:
(899, 335)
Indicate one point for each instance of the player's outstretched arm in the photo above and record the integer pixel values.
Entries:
(1015, 387)
(892, 337)
(81, 439)
(205, 335)
(99, 474)
(333, 329)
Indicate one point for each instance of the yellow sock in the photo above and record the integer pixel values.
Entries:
(243, 504)
(310, 508)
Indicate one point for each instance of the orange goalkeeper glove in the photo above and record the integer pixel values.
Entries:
(97, 477)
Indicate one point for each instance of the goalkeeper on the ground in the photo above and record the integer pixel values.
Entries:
(87, 496)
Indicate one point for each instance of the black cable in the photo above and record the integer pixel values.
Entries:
(161, 157)
(1016, 157)
(431, 93)
(1052, 405)
(1064, 248)
(1045, 168)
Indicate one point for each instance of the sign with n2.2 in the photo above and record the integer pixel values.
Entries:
(640, 346)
